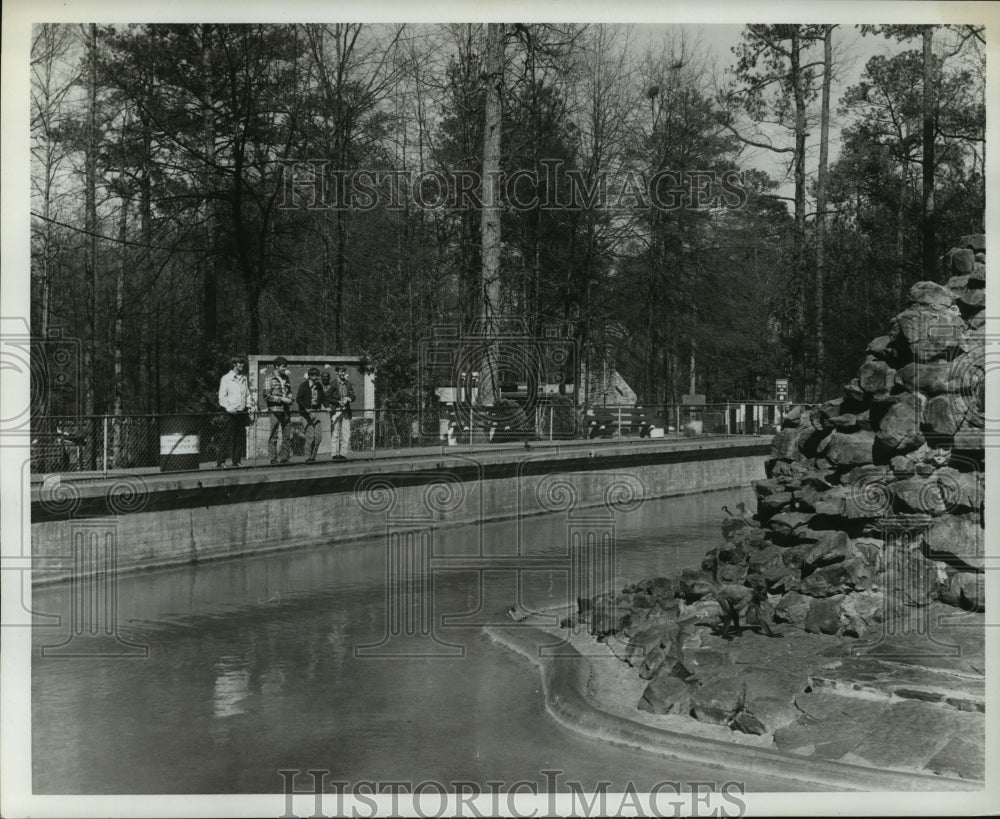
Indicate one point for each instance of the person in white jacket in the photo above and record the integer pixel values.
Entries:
(233, 397)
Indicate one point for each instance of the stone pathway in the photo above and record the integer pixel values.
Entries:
(904, 703)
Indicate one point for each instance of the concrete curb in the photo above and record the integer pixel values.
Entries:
(564, 685)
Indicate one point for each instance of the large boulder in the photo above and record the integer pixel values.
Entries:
(666, 694)
(793, 607)
(968, 436)
(850, 575)
(919, 494)
(943, 414)
(772, 713)
(766, 559)
(854, 501)
(786, 523)
(849, 449)
(910, 579)
(966, 590)
(791, 443)
(763, 488)
(962, 260)
(854, 392)
(931, 294)
(850, 421)
(772, 504)
(875, 376)
(930, 332)
(833, 547)
(972, 300)
(832, 502)
(870, 550)
(976, 242)
(957, 540)
(716, 700)
(880, 347)
(824, 615)
(862, 614)
(899, 429)
(960, 491)
(930, 377)
(749, 539)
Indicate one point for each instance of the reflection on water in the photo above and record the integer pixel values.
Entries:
(232, 685)
(252, 668)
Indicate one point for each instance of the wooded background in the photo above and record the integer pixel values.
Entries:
(159, 240)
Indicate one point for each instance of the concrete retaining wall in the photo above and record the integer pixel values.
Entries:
(164, 520)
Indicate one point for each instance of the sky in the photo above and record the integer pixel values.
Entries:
(851, 51)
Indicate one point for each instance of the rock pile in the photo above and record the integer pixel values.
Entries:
(873, 505)
(899, 456)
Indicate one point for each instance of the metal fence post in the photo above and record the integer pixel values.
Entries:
(551, 410)
(619, 423)
(105, 444)
(374, 431)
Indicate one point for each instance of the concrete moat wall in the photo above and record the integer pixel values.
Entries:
(166, 520)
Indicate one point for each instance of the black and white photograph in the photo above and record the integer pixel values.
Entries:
(502, 410)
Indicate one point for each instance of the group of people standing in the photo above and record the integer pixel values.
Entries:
(318, 397)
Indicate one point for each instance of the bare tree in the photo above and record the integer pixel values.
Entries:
(489, 389)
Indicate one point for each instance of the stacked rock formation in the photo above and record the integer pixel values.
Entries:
(899, 455)
(873, 505)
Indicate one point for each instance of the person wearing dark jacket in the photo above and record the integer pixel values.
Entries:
(311, 400)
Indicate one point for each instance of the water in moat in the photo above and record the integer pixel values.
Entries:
(252, 668)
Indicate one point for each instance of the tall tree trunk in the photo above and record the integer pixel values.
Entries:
(210, 283)
(897, 276)
(489, 391)
(800, 200)
(119, 378)
(90, 226)
(929, 109)
(693, 383)
(340, 271)
(824, 145)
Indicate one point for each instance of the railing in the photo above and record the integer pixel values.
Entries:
(99, 445)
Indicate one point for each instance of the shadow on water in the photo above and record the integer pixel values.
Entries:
(252, 668)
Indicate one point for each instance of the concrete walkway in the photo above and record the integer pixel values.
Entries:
(412, 458)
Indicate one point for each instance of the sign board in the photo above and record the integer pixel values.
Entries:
(699, 398)
(781, 389)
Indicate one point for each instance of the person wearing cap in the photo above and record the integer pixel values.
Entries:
(339, 397)
(278, 397)
(233, 398)
(312, 399)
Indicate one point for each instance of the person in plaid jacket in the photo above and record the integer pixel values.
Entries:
(278, 396)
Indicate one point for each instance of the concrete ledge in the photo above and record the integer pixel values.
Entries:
(166, 520)
(564, 686)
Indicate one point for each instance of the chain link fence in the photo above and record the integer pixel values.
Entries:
(188, 441)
